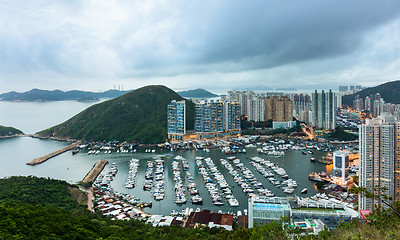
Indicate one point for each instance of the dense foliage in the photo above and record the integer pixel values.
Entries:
(265, 128)
(140, 115)
(197, 93)
(9, 131)
(58, 95)
(43, 191)
(389, 91)
(45, 219)
(341, 135)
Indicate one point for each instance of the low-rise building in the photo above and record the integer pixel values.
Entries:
(290, 210)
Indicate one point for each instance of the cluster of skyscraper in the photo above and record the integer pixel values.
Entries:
(263, 107)
(212, 119)
(279, 107)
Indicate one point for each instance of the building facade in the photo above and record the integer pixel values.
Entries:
(340, 165)
(232, 112)
(302, 107)
(379, 159)
(279, 109)
(324, 105)
(176, 120)
(209, 117)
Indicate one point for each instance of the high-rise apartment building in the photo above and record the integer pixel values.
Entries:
(209, 117)
(255, 107)
(379, 159)
(367, 103)
(176, 119)
(302, 107)
(232, 116)
(278, 109)
(324, 105)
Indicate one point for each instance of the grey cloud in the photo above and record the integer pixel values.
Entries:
(239, 35)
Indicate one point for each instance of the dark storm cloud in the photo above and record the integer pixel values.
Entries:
(177, 42)
(245, 35)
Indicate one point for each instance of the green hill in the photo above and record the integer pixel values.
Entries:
(389, 91)
(197, 93)
(42, 191)
(140, 115)
(9, 131)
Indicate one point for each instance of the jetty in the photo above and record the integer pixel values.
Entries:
(44, 158)
(95, 171)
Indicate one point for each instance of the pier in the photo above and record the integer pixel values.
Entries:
(44, 158)
(96, 170)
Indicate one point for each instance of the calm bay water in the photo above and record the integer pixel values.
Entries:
(15, 152)
(32, 117)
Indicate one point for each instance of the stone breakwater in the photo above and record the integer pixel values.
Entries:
(44, 158)
(95, 171)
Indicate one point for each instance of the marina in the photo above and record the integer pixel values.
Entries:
(156, 166)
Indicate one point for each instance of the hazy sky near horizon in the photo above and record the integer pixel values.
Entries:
(212, 44)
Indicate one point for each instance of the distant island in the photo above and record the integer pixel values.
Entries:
(197, 93)
(9, 131)
(39, 95)
(286, 89)
(140, 115)
(389, 92)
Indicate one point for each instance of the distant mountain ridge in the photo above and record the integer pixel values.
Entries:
(389, 91)
(140, 115)
(58, 95)
(197, 93)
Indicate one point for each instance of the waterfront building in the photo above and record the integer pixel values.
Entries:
(232, 115)
(323, 109)
(216, 119)
(262, 210)
(379, 159)
(278, 109)
(209, 117)
(340, 165)
(176, 120)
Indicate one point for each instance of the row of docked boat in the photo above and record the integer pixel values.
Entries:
(130, 180)
(159, 181)
(273, 152)
(288, 185)
(104, 180)
(180, 191)
(190, 184)
(215, 182)
(148, 182)
(232, 150)
(244, 177)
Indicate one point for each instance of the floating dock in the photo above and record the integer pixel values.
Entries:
(96, 170)
(44, 158)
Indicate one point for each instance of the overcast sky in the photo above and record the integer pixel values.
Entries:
(216, 44)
